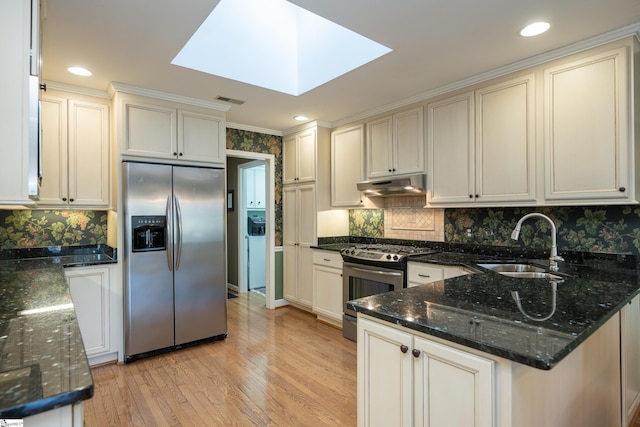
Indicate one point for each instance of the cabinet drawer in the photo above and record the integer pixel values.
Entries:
(422, 274)
(328, 258)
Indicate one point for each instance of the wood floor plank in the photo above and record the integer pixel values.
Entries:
(276, 368)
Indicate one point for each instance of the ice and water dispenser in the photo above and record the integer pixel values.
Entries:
(149, 233)
(256, 225)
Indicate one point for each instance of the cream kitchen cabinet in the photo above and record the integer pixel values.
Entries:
(347, 166)
(298, 234)
(395, 144)
(299, 156)
(419, 273)
(481, 146)
(19, 28)
(407, 380)
(588, 130)
(255, 187)
(328, 286)
(75, 151)
(95, 302)
(163, 129)
(630, 355)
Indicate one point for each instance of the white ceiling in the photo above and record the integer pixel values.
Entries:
(434, 42)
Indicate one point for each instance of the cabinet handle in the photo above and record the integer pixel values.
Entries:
(622, 189)
(423, 275)
(415, 352)
(327, 259)
(404, 348)
(43, 86)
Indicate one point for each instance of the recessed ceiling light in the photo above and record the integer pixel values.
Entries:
(534, 29)
(301, 118)
(80, 71)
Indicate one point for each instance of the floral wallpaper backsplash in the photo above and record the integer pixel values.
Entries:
(41, 228)
(366, 223)
(243, 140)
(609, 229)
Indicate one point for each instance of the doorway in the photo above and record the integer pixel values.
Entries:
(253, 200)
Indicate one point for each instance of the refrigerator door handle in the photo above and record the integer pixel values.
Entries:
(178, 232)
(169, 236)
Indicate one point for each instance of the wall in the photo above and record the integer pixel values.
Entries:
(38, 228)
(608, 229)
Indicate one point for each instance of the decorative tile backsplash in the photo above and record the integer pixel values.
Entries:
(39, 228)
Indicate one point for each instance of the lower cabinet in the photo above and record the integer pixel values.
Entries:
(630, 348)
(327, 286)
(406, 380)
(91, 292)
(65, 416)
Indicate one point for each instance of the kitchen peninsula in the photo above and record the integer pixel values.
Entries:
(488, 349)
(44, 371)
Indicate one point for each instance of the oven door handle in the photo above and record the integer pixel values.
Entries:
(381, 273)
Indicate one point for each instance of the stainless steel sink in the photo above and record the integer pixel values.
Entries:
(520, 270)
(513, 268)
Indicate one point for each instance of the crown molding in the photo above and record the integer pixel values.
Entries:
(308, 125)
(77, 89)
(134, 90)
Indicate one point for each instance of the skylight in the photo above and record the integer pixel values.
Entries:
(276, 45)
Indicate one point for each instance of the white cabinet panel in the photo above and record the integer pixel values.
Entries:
(347, 166)
(327, 286)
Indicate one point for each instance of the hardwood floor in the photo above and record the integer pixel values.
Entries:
(276, 368)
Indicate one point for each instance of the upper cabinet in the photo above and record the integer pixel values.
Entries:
(588, 130)
(299, 157)
(395, 144)
(19, 30)
(481, 145)
(347, 166)
(174, 131)
(75, 151)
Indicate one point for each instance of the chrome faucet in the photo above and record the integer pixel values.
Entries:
(554, 257)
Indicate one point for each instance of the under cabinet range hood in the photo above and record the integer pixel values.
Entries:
(406, 185)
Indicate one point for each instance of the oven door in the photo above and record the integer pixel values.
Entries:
(361, 280)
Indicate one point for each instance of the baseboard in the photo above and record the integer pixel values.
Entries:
(232, 287)
(280, 303)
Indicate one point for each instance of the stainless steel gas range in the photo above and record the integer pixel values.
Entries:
(373, 269)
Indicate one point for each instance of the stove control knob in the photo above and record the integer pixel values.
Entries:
(389, 256)
(353, 251)
(395, 257)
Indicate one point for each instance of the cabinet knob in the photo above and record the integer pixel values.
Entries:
(622, 189)
(179, 154)
(64, 199)
(43, 86)
(390, 170)
(477, 196)
(415, 352)
(71, 200)
(404, 348)
(471, 196)
(175, 153)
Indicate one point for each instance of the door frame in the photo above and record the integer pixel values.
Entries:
(269, 162)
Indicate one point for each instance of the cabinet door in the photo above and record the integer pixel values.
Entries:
(587, 134)
(53, 120)
(201, 137)
(505, 141)
(307, 156)
(347, 166)
(385, 376)
(630, 336)
(290, 272)
(305, 276)
(408, 142)
(88, 154)
(452, 387)
(90, 293)
(307, 215)
(422, 274)
(451, 149)
(327, 293)
(150, 131)
(289, 160)
(379, 150)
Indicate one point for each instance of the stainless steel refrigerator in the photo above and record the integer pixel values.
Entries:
(174, 257)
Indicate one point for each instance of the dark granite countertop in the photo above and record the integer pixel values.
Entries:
(479, 310)
(43, 365)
